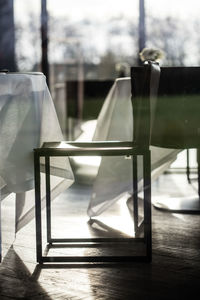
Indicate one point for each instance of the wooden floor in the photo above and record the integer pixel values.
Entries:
(173, 274)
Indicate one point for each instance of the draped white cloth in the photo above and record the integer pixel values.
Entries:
(115, 123)
(27, 120)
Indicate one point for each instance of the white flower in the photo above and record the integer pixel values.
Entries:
(151, 54)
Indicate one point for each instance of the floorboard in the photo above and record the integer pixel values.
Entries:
(173, 274)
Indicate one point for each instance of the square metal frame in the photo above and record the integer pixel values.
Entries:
(94, 149)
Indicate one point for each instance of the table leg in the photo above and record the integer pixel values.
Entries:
(38, 207)
(147, 203)
(48, 198)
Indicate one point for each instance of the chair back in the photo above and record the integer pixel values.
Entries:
(144, 87)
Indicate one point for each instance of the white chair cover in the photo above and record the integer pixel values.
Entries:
(115, 123)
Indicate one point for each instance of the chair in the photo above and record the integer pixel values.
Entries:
(144, 87)
(176, 124)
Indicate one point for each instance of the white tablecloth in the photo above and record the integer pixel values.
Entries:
(115, 123)
(27, 119)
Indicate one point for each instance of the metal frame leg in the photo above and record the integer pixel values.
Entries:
(147, 203)
(48, 198)
(38, 208)
(135, 194)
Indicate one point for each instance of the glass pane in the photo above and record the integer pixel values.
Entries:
(27, 34)
(96, 34)
(174, 28)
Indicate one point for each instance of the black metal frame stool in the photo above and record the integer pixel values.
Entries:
(100, 149)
